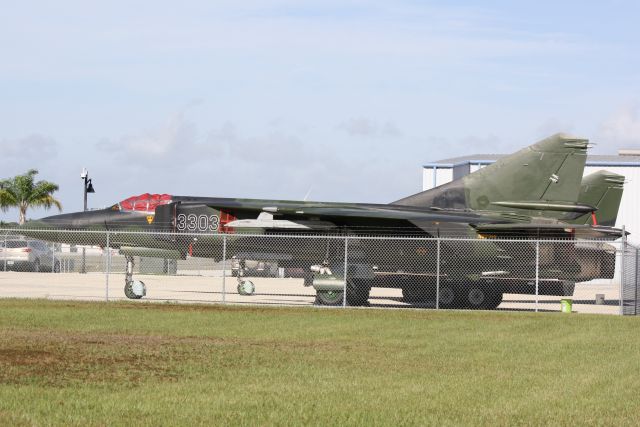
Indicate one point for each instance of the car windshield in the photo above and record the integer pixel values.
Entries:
(15, 243)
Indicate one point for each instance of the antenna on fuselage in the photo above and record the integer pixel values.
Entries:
(306, 196)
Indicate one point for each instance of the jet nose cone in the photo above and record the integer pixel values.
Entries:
(73, 220)
(57, 221)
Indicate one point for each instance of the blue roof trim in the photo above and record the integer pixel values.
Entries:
(437, 165)
(488, 162)
(618, 164)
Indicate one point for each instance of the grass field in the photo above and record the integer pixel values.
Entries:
(77, 363)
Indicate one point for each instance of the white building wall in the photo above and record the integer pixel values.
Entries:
(476, 167)
(427, 178)
(442, 176)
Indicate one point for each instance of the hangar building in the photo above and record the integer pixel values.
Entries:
(626, 163)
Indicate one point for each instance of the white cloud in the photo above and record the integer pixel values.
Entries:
(172, 141)
(369, 128)
(35, 147)
(622, 129)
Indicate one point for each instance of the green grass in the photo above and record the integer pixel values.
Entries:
(163, 364)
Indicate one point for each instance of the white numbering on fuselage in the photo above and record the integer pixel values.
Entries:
(193, 222)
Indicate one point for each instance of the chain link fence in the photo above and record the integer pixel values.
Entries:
(327, 270)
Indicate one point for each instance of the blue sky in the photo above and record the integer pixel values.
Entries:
(273, 99)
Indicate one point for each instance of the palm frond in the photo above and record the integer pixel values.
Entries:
(42, 189)
(46, 201)
(7, 199)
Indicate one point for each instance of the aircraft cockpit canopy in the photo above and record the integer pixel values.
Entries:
(142, 203)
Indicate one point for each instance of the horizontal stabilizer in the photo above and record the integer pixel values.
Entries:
(602, 189)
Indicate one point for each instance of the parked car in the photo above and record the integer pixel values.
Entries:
(27, 255)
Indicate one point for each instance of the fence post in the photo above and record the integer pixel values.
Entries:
(438, 274)
(537, 273)
(634, 251)
(346, 257)
(635, 282)
(623, 264)
(4, 252)
(224, 268)
(83, 266)
(108, 268)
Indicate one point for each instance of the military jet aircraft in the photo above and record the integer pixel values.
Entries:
(536, 192)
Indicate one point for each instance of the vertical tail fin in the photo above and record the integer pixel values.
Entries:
(602, 190)
(550, 170)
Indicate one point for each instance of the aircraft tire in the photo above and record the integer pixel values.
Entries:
(128, 291)
(358, 292)
(413, 293)
(478, 297)
(332, 298)
(495, 299)
(449, 296)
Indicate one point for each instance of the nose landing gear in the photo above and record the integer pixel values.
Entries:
(133, 289)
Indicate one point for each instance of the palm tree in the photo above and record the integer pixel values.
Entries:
(21, 192)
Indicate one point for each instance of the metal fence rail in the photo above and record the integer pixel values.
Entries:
(326, 270)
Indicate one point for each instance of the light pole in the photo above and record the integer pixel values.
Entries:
(87, 188)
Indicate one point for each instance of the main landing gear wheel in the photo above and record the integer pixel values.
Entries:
(358, 292)
(413, 293)
(447, 296)
(479, 297)
(133, 289)
(495, 299)
(330, 297)
(357, 295)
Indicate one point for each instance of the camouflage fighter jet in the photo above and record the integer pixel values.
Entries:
(536, 192)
